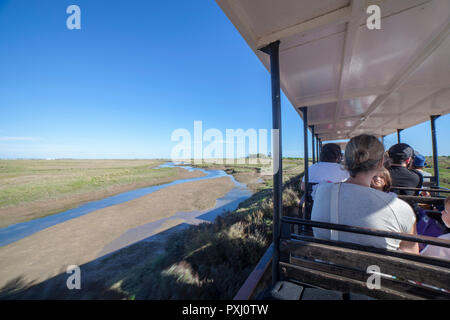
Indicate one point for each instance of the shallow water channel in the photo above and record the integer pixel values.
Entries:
(229, 202)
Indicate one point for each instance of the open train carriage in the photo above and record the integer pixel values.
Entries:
(346, 73)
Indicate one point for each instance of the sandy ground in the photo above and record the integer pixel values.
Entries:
(78, 241)
(38, 209)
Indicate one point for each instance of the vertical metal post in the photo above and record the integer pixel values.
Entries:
(304, 111)
(398, 135)
(317, 149)
(313, 145)
(435, 151)
(273, 50)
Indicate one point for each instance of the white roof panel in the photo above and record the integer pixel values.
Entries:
(353, 79)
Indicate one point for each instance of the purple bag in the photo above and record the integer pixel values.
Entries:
(427, 226)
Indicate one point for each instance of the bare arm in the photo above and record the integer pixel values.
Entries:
(410, 247)
(446, 217)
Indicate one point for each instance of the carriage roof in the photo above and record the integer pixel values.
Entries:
(352, 79)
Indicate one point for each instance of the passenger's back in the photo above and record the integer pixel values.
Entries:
(403, 177)
(363, 207)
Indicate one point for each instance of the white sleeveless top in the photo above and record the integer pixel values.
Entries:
(363, 207)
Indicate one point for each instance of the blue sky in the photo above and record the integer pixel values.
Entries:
(136, 71)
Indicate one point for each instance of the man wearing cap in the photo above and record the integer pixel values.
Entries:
(418, 165)
(401, 155)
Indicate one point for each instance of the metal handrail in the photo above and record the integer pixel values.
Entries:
(368, 231)
(440, 189)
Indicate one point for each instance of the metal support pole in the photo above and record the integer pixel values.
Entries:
(398, 135)
(313, 145)
(317, 149)
(273, 50)
(435, 152)
(304, 111)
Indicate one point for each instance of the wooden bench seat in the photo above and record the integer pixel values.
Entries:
(343, 267)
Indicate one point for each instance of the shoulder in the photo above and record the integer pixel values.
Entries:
(314, 167)
(322, 171)
(370, 192)
(391, 201)
(398, 210)
(324, 187)
(416, 173)
(337, 168)
(403, 212)
(400, 204)
(393, 168)
(392, 194)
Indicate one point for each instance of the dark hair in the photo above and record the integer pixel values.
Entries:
(387, 161)
(331, 152)
(362, 154)
(447, 200)
(400, 153)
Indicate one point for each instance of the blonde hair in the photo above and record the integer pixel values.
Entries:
(363, 153)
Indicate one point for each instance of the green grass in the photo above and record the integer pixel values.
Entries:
(444, 170)
(24, 181)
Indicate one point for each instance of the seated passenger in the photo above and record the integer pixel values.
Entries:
(401, 155)
(329, 168)
(382, 181)
(418, 164)
(354, 203)
(440, 252)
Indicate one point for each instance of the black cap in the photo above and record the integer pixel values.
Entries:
(401, 151)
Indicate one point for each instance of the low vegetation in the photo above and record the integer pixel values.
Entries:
(444, 170)
(212, 261)
(207, 261)
(31, 189)
(23, 181)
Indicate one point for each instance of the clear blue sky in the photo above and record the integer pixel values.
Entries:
(136, 71)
